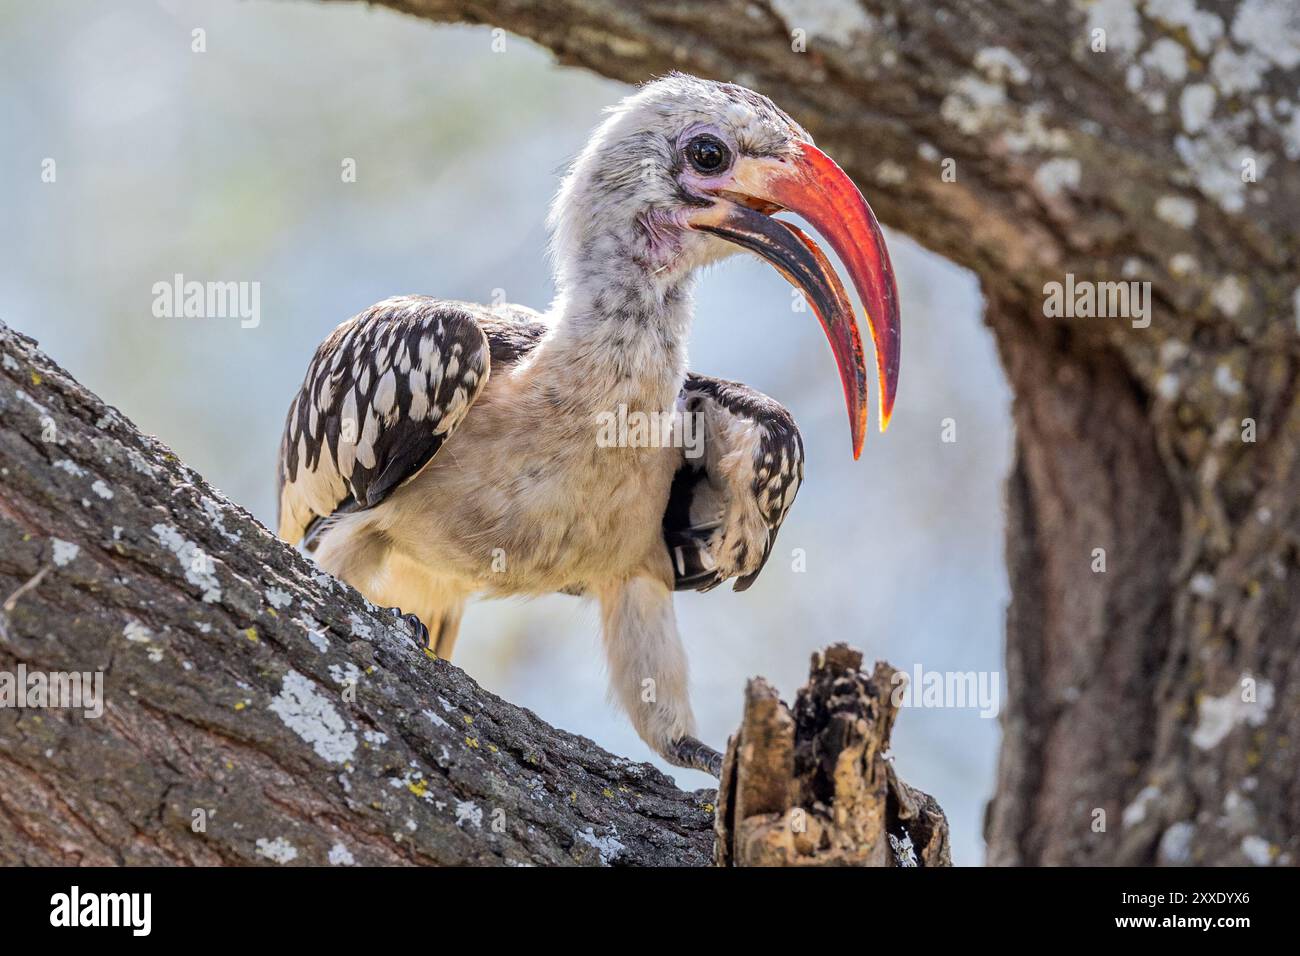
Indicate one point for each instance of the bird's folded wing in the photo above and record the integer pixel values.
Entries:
(381, 395)
(728, 501)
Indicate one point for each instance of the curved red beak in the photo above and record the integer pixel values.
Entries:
(813, 186)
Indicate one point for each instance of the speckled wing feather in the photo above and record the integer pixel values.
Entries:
(726, 505)
(381, 395)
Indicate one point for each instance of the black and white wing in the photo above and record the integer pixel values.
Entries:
(727, 503)
(381, 395)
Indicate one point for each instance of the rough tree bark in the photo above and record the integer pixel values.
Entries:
(254, 709)
(812, 785)
(1160, 690)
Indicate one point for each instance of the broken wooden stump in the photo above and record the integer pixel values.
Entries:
(813, 785)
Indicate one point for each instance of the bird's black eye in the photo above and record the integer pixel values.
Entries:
(708, 154)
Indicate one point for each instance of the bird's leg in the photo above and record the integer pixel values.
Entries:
(359, 559)
(647, 670)
(444, 642)
(435, 601)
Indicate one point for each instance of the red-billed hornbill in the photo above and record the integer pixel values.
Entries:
(439, 449)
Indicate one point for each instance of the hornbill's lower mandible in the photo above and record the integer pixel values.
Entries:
(525, 499)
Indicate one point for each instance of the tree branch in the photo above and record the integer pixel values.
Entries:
(247, 690)
(254, 709)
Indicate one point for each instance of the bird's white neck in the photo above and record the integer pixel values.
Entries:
(622, 340)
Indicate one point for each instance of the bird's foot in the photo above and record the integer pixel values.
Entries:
(419, 633)
(694, 755)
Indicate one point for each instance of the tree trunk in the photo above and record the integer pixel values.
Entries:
(254, 709)
(1153, 711)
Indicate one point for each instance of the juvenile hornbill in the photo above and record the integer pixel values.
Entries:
(439, 449)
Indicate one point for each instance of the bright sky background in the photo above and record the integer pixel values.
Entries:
(225, 165)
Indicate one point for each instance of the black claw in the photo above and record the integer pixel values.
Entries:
(420, 633)
(691, 753)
